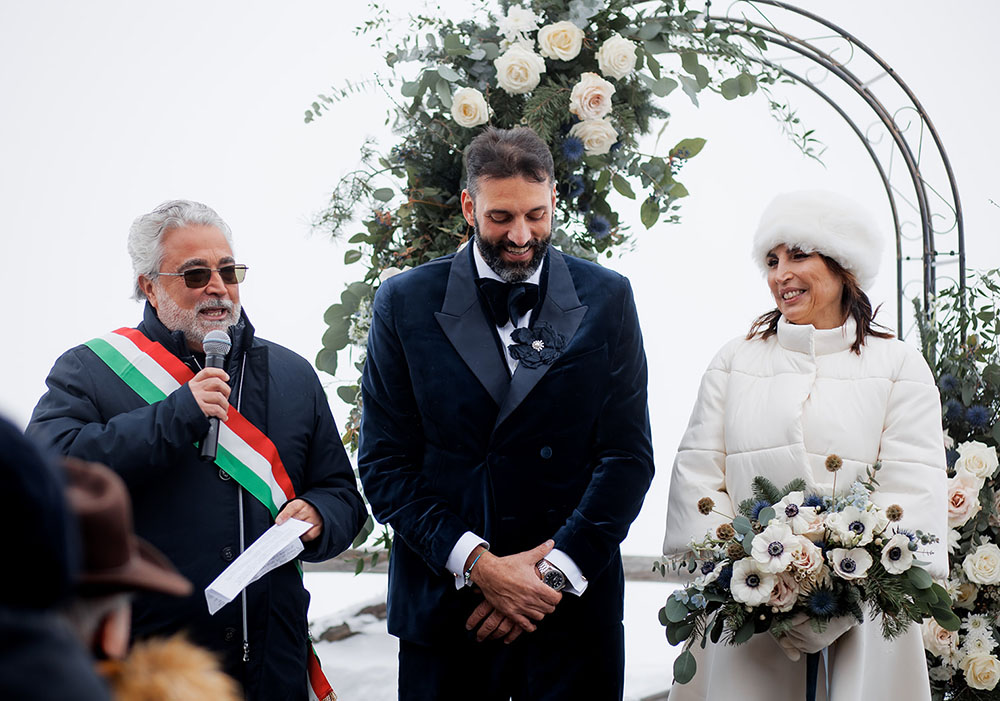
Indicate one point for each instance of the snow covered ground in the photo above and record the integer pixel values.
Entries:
(363, 666)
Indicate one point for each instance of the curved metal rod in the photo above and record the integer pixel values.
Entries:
(882, 174)
(805, 49)
(960, 220)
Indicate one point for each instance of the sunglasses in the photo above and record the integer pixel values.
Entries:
(199, 277)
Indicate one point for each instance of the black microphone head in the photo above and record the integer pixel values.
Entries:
(216, 343)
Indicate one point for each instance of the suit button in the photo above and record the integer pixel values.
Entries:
(227, 554)
(546, 452)
(229, 635)
(223, 475)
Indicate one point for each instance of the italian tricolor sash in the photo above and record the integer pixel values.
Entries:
(245, 452)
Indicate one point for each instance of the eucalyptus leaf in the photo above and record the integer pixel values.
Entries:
(491, 49)
(348, 394)
(622, 186)
(687, 148)
(384, 194)
(684, 667)
(676, 610)
(443, 91)
(649, 212)
(730, 88)
(335, 312)
(679, 632)
(689, 62)
(662, 615)
(366, 530)
(336, 338)
(410, 88)
(742, 524)
(919, 578)
(946, 618)
(745, 631)
(602, 181)
(448, 73)
(690, 88)
(352, 256)
(326, 360)
(765, 515)
(650, 30)
(748, 544)
(358, 238)
(678, 191)
(654, 65)
(747, 83)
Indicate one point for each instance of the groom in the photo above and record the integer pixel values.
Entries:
(505, 438)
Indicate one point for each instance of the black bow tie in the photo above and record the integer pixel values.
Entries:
(508, 300)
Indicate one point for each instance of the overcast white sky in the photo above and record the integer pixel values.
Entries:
(110, 107)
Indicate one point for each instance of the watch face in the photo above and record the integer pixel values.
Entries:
(554, 579)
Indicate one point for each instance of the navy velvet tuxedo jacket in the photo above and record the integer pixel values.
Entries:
(450, 442)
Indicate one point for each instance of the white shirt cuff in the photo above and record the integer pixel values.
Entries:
(460, 553)
(576, 583)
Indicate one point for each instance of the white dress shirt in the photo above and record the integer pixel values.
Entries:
(576, 583)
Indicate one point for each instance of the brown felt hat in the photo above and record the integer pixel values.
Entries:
(115, 559)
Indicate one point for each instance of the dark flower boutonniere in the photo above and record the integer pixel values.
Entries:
(536, 346)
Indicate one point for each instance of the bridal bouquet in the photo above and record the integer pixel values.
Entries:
(789, 553)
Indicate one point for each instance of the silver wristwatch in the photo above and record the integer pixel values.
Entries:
(552, 576)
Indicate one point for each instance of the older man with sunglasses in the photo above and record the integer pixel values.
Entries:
(139, 400)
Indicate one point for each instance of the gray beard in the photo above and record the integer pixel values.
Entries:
(510, 272)
(188, 321)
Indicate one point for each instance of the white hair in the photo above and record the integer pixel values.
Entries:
(145, 236)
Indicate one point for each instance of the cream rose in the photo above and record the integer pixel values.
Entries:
(562, 40)
(469, 108)
(977, 458)
(981, 671)
(591, 97)
(597, 135)
(963, 498)
(785, 592)
(808, 560)
(616, 57)
(937, 640)
(982, 566)
(519, 69)
(965, 595)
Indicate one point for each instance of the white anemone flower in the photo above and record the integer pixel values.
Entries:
(709, 572)
(774, 547)
(850, 564)
(791, 511)
(896, 554)
(853, 527)
(750, 584)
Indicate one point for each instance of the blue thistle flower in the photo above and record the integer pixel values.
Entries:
(813, 500)
(757, 507)
(583, 204)
(953, 410)
(725, 577)
(821, 602)
(575, 186)
(978, 416)
(572, 149)
(599, 227)
(951, 455)
(948, 383)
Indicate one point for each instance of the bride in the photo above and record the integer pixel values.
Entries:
(814, 377)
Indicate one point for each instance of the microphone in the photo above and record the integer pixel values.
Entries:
(216, 345)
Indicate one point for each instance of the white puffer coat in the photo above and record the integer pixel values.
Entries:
(778, 408)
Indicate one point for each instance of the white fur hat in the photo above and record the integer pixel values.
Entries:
(815, 220)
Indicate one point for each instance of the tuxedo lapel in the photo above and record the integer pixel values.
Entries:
(465, 324)
(562, 310)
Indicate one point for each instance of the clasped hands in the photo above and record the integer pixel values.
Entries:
(515, 596)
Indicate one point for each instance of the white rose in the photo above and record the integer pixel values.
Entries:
(937, 640)
(616, 57)
(597, 135)
(591, 97)
(965, 596)
(963, 498)
(469, 108)
(983, 565)
(562, 40)
(518, 21)
(519, 69)
(981, 671)
(977, 458)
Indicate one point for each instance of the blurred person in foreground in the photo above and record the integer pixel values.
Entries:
(40, 657)
(505, 438)
(116, 563)
(814, 377)
(139, 401)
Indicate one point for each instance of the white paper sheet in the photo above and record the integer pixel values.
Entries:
(278, 545)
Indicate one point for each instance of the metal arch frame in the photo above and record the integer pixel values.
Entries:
(773, 35)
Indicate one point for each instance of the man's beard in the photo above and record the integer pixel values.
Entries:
(188, 320)
(511, 271)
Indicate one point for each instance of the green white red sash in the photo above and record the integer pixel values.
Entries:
(244, 452)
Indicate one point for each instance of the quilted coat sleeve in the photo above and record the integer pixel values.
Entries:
(912, 455)
(137, 444)
(700, 465)
(392, 443)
